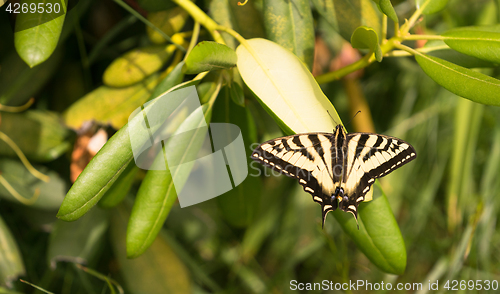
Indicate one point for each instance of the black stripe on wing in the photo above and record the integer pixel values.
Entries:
(283, 154)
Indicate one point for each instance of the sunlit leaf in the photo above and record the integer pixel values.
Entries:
(169, 21)
(286, 87)
(109, 105)
(136, 65)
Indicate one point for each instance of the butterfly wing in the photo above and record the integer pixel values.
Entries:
(309, 158)
(371, 156)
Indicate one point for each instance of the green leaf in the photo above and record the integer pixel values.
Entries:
(432, 6)
(159, 269)
(109, 105)
(347, 15)
(35, 38)
(439, 49)
(386, 8)
(157, 193)
(461, 81)
(209, 55)
(366, 38)
(480, 42)
(120, 188)
(136, 65)
(285, 86)
(51, 194)
(290, 24)
(169, 21)
(39, 134)
(385, 247)
(77, 241)
(98, 176)
(11, 261)
(292, 96)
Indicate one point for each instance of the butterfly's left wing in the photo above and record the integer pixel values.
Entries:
(310, 158)
(371, 156)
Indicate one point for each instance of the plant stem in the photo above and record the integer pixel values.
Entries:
(413, 19)
(424, 37)
(336, 75)
(202, 18)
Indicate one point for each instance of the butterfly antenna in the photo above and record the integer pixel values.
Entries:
(336, 123)
(353, 117)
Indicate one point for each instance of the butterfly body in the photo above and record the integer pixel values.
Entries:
(337, 168)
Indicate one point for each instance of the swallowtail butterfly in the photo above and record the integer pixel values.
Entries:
(336, 169)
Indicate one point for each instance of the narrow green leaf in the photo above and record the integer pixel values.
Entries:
(35, 38)
(386, 8)
(51, 194)
(39, 134)
(461, 81)
(157, 193)
(11, 261)
(109, 105)
(480, 42)
(98, 176)
(290, 24)
(347, 15)
(136, 65)
(366, 38)
(386, 247)
(433, 6)
(120, 188)
(441, 50)
(159, 269)
(77, 241)
(209, 55)
(292, 96)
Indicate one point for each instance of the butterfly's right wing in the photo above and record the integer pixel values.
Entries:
(308, 158)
